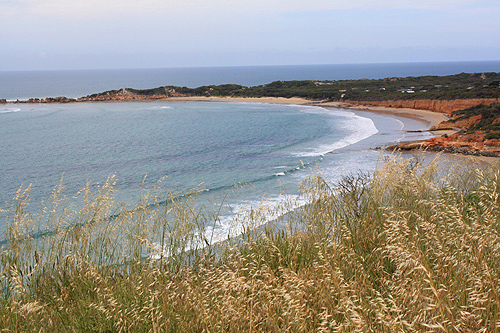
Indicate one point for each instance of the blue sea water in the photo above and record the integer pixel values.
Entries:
(185, 144)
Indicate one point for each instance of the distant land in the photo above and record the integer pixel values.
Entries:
(450, 87)
(471, 100)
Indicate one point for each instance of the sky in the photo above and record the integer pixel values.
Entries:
(99, 34)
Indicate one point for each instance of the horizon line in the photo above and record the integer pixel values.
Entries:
(250, 66)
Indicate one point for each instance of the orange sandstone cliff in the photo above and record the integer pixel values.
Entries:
(442, 106)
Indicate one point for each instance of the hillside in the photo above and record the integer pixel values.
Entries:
(460, 86)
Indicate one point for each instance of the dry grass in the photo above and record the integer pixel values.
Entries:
(407, 249)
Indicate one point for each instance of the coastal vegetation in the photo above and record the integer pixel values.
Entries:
(460, 86)
(409, 248)
(450, 87)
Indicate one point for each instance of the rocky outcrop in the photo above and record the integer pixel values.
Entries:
(124, 95)
(60, 99)
(445, 149)
(442, 106)
(459, 124)
(459, 143)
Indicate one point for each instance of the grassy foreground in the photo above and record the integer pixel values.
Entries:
(407, 249)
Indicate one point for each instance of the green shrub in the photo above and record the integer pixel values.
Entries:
(492, 135)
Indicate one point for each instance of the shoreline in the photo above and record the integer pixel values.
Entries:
(430, 117)
(427, 118)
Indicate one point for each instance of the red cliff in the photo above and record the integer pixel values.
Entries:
(442, 106)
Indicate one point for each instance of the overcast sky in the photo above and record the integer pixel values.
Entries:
(95, 34)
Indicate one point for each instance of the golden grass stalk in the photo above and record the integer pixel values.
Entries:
(410, 248)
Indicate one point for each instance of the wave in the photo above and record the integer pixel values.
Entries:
(159, 107)
(359, 128)
(251, 214)
(9, 110)
(289, 170)
(401, 130)
(254, 213)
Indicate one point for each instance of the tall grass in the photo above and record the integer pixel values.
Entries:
(405, 249)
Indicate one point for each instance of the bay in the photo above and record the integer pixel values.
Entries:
(177, 146)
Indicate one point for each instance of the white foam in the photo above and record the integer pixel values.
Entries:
(400, 123)
(159, 107)
(359, 127)
(9, 110)
(252, 214)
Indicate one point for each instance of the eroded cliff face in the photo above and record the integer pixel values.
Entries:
(469, 144)
(460, 124)
(442, 106)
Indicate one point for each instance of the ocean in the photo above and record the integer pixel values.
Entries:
(176, 146)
